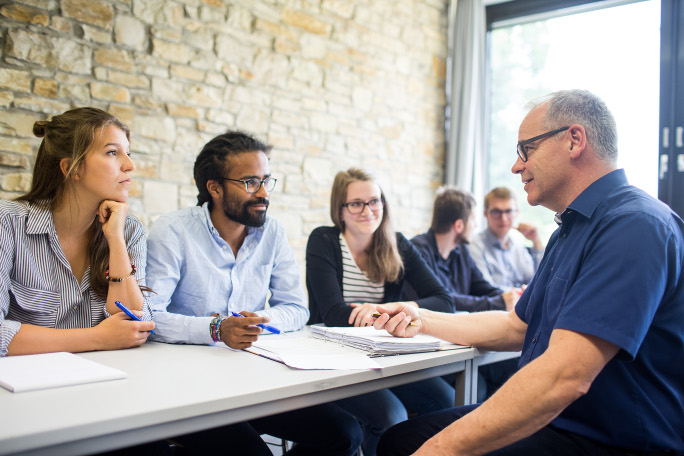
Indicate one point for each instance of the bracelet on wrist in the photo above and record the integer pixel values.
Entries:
(215, 328)
(120, 279)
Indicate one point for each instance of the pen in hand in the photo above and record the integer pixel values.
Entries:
(266, 327)
(376, 315)
(127, 311)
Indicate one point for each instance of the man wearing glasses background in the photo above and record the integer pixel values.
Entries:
(225, 256)
(503, 260)
(444, 248)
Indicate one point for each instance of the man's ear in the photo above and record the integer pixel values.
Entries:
(214, 188)
(578, 140)
(459, 226)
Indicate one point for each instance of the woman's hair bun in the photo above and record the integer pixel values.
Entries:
(39, 128)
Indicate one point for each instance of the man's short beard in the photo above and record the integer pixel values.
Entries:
(242, 215)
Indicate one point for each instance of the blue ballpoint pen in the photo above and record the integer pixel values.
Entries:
(266, 327)
(127, 311)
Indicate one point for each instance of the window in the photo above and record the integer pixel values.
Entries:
(671, 168)
(613, 52)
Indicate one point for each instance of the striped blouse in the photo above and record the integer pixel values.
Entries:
(36, 283)
(356, 287)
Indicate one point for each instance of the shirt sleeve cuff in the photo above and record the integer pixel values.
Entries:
(147, 311)
(8, 329)
(199, 332)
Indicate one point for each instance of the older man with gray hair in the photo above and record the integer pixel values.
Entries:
(600, 326)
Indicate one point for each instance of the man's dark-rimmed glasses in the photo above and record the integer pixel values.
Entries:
(522, 153)
(253, 185)
(498, 213)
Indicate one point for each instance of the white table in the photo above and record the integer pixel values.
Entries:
(176, 389)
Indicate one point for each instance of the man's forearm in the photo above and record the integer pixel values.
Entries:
(493, 330)
(530, 400)
(481, 303)
(522, 406)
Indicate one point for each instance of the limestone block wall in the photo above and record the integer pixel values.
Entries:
(330, 83)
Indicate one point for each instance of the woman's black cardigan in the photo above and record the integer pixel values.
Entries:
(324, 278)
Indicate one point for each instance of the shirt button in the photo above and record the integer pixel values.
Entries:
(534, 340)
(75, 307)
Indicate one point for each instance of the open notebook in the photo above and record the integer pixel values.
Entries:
(380, 342)
(51, 370)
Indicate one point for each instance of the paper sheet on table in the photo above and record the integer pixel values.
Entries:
(309, 353)
(51, 370)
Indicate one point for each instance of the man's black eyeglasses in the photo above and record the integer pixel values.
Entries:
(253, 185)
(357, 207)
(522, 152)
(497, 213)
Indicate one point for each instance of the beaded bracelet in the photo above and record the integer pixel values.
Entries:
(120, 279)
(215, 328)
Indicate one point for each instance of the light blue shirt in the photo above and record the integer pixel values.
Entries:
(504, 267)
(195, 274)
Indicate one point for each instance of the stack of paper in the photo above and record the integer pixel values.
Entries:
(51, 370)
(380, 342)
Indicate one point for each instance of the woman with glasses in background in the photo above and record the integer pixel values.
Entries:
(352, 267)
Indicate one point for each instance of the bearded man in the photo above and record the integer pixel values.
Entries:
(212, 268)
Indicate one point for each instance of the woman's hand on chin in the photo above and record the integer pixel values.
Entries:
(112, 215)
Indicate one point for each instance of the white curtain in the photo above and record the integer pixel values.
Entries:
(465, 160)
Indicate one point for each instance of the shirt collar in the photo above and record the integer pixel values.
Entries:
(207, 219)
(494, 241)
(39, 218)
(432, 240)
(587, 201)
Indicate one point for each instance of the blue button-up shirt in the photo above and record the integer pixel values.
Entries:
(507, 267)
(195, 274)
(614, 270)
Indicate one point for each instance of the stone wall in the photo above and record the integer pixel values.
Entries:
(330, 83)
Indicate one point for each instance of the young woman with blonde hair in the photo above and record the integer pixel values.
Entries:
(354, 266)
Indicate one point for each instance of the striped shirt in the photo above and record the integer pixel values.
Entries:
(356, 287)
(36, 283)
